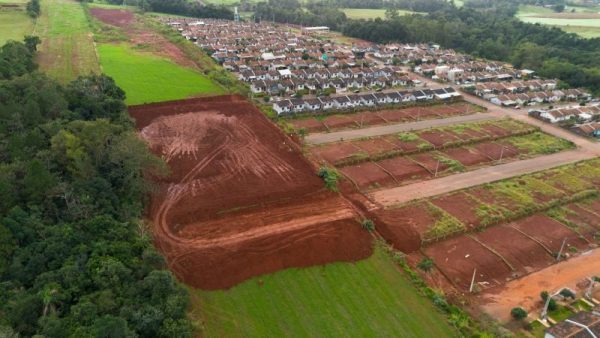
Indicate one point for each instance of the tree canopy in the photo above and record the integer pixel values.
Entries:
(75, 260)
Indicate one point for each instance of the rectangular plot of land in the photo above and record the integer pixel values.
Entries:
(367, 175)
(400, 115)
(496, 151)
(458, 257)
(339, 121)
(402, 226)
(335, 152)
(460, 205)
(524, 254)
(466, 156)
(550, 232)
(375, 146)
(437, 138)
(311, 125)
(404, 170)
(430, 161)
(366, 119)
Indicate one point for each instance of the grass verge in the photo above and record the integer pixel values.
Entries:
(364, 299)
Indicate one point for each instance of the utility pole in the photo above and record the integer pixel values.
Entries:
(561, 249)
(436, 168)
(472, 281)
(501, 154)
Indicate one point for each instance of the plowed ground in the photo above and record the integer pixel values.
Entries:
(240, 200)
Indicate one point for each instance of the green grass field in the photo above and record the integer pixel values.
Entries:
(370, 298)
(360, 13)
(67, 48)
(148, 78)
(14, 25)
(587, 28)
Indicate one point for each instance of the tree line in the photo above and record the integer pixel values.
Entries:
(75, 259)
(188, 8)
(412, 5)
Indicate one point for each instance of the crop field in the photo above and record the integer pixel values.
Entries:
(374, 118)
(148, 78)
(503, 230)
(14, 23)
(335, 300)
(240, 200)
(67, 48)
(367, 13)
(585, 21)
(403, 158)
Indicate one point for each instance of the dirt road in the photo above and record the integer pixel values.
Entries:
(320, 138)
(446, 184)
(525, 292)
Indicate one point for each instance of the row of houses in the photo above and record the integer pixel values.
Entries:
(533, 98)
(495, 88)
(344, 102)
(580, 113)
(319, 74)
(292, 85)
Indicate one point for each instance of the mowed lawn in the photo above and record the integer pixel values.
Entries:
(14, 25)
(148, 78)
(364, 13)
(67, 48)
(371, 298)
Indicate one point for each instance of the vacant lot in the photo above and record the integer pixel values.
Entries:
(14, 24)
(363, 299)
(374, 118)
(403, 158)
(148, 78)
(502, 230)
(67, 48)
(241, 200)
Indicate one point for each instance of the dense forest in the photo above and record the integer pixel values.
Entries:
(75, 259)
(292, 11)
(183, 7)
(413, 5)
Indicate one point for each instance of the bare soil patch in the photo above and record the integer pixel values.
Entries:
(367, 175)
(458, 257)
(116, 17)
(241, 200)
(404, 170)
(460, 205)
(551, 233)
(466, 156)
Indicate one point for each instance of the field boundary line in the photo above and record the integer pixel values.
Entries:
(512, 268)
(533, 239)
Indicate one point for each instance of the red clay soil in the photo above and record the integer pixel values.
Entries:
(457, 257)
(466, 156)
(588, 222)
(367, 175)
(241, 200)
(550, 232)
(460, 205)
(406, 146)
(567, 182)
(368, 118)
(436, 137)
(523, 253)
(395, 115)
(400, 226)
(430, 162)
(115, 17)
(375, 146)
(493, 150)
(334, 152)
(468, 134)
(488, 197)
(404, 170)
(311, 125)
(496, 130)
(339, 122)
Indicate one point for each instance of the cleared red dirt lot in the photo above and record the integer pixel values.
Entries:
(241, 200)
(373, 118)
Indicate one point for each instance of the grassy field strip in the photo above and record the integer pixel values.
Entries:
(14, 25)
(67, 48)
(366, 13)
(364, 299)
(587, 28)
(149, 78)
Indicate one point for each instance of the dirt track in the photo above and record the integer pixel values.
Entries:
(446, 184)
(241, 200)
(525, 292)
(353, 134)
